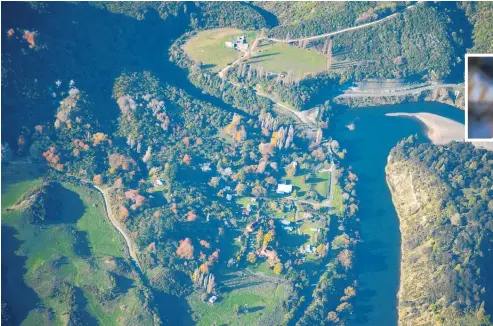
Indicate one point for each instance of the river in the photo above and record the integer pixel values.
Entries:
(377, 262)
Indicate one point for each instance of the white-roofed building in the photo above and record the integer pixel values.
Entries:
(284, 189)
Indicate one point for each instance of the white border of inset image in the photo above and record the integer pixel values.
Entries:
(466, 92)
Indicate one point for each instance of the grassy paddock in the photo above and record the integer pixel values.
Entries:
(208, 47)
(280, 57)
(74, 249)
(263, 299)
(319, 180)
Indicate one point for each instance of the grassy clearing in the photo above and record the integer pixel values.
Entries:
(337, 201)
(302, 183)
(306, 228)
(104, 239)
(281, 58)
(73, 252)
(322, 186)
(263, 298)
(208, 47)
(264, 269)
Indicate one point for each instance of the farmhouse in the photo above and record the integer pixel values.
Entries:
(212, 299)
(251, 227)
(284, 189)
(239, 44)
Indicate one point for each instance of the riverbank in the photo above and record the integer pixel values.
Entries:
(441, 130)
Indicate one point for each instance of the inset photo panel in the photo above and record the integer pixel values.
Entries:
(479, 97)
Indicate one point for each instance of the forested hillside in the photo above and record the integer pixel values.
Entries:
(443, 198)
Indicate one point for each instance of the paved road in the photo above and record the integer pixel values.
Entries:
(316, 37)
(117, 225)
(396, 91)
(301, 115)
(113, 220)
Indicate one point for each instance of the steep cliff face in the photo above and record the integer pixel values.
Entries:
(446, 228)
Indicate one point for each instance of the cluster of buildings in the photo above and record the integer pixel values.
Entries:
(239, 44)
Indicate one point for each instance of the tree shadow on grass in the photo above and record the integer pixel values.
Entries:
(255, 309)
(261, 56)
(123, 284)
(315, 180)
(208, 66)
(62, 205)
(81, 305)
(172, 309)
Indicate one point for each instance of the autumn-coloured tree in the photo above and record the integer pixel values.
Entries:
(134, 196)
(118, 161)
(98, 138)
(147, 155)
(318, 154)
(187, 159)
(185, 249)
(278, 268)
(332, 317)
(260, 238)
(211, 284)
(214, 182)
(204, 244)
(240, 189)
(127, 104)
(345, 257)
(344, 307)
(118, 183)
(215, 256)
(252, 257)
(10, 32)
(291, 170)
(259, 191)
(123, 213)
(266, 149)
(98, 179)
(349, 293)
(204, 268)
(51, 156)
(191, 216)
(30, 38)
(321, 250)
(268, 237)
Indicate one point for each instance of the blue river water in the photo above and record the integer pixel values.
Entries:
(377, 262)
